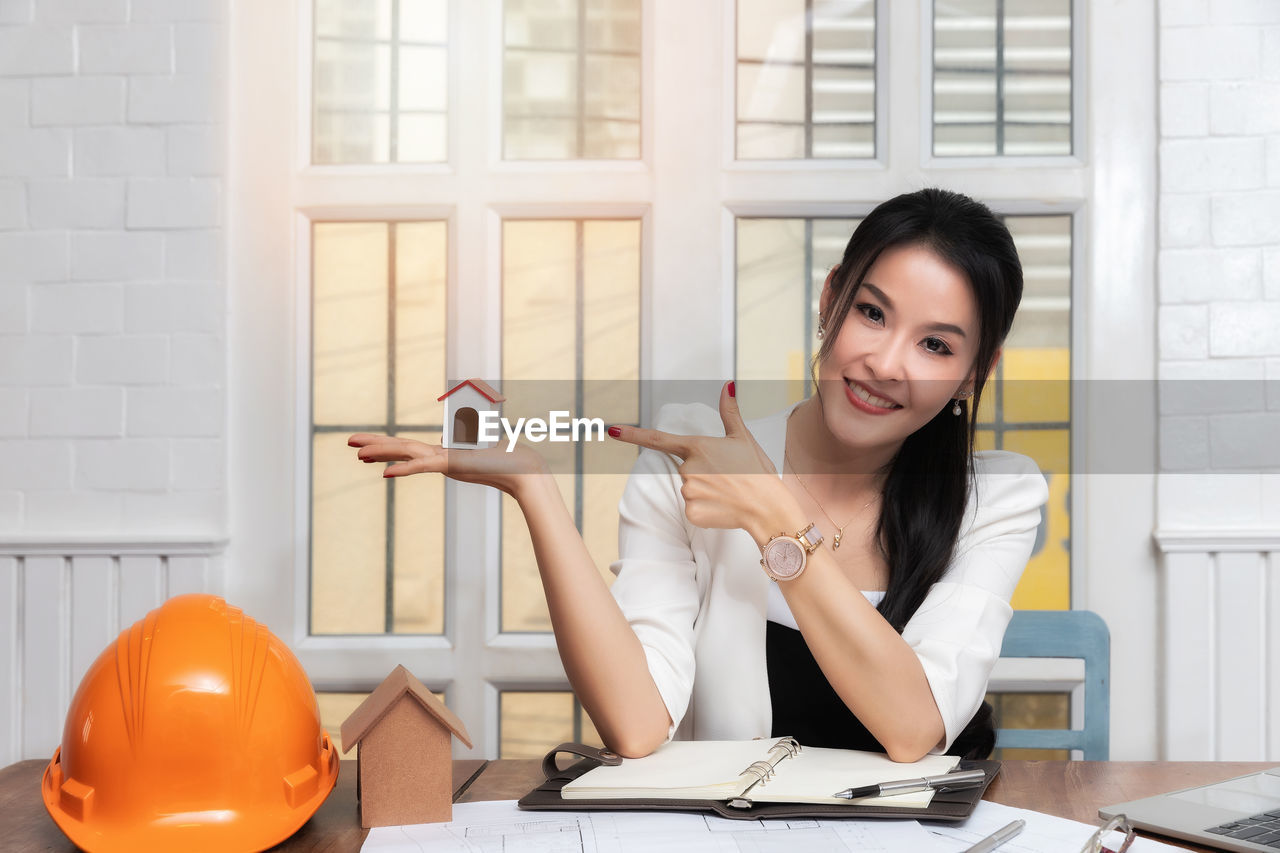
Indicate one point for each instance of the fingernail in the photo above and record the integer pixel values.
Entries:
(615, 431)
(731, 390)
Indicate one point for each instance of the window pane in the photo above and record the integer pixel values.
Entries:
(1026, 406)
(805, 79)
(1032, 711)
(348, 541)
(571, 80)
(421, 264)
(418, 556)
(334, 708)
(349, 323)
(422, 78)
(532, 722)
(1001, 77)
(1044, 317)
(611, 320)
(377, 545)
(380, 81)
(781, 267)
(571, 342)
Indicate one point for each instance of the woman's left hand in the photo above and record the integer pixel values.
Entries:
(729, 482)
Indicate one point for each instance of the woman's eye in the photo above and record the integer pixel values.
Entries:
(937, 345)
(872, 313)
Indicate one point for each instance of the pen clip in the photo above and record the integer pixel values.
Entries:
(957, 780)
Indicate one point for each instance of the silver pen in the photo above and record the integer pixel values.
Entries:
(946, 781)
(995, 839)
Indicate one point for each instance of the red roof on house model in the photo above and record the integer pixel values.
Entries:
(490, 393)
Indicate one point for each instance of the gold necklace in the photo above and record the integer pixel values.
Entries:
(835, 542)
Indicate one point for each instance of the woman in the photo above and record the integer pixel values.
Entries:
(886, 635)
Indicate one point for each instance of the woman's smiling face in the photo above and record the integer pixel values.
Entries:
(905, 349)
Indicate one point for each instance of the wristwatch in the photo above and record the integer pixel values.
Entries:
(785, 556)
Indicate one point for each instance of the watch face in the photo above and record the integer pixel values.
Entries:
(784, 557)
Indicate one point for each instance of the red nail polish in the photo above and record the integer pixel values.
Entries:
(732, 390)
(615, 431)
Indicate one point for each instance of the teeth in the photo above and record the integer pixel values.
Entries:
(867, 396)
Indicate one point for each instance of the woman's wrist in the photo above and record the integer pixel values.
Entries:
(532, 482)
(776, 512)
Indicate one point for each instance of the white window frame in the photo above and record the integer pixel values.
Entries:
(687, 189)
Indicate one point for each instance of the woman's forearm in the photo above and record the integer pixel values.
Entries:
(602, 656)
(870, 666)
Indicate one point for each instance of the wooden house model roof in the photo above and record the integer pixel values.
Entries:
(490, 393)
(399, 683)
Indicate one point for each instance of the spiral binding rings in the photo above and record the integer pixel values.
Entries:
(765, 770)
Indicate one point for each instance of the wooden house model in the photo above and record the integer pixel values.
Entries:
(465, 403)
(404, 773)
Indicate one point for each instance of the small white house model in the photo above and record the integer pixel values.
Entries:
(465, 402)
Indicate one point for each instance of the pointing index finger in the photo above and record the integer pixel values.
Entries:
(656, 439)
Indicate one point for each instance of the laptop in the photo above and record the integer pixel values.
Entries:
(1241, 814)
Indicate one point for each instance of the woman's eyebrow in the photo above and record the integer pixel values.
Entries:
(888, 303)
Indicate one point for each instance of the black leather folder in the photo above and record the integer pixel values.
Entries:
(945, 805)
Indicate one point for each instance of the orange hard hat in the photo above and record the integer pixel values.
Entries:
(196, 730)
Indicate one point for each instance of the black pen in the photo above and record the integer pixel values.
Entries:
(949, 781)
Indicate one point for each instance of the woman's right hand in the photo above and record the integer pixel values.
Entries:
(489, 466)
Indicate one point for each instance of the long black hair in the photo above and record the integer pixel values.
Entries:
(927, 482)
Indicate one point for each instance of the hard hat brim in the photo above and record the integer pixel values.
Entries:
(220, 830)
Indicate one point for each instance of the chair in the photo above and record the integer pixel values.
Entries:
(1065, 634)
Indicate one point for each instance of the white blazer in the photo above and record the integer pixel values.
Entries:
(697, 597)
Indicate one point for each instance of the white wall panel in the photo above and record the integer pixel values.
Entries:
(141, 587)
(1220, 638)
(186, 574)
(1240, 682)
(1188, 657)
(1271, 658)
(45, 654)
(62, 603)
(10, 651)
(93, 625)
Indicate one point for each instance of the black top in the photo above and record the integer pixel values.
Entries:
(807, 707)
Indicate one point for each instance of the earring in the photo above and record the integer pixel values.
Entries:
(821, 330)
(955, 410)
(963, 395)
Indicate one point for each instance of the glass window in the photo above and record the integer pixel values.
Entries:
(534, 721)
(570, 342)
(1026, 406)
(806, 79)
(380, 85)
(1001, 77)
(378, 334)
(571, 80)
(1032, 711)
(781, 267)
(334, 708)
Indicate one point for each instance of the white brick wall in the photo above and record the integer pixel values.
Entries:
(1219, 265)
(112, 299)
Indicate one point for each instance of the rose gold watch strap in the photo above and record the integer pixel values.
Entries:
(810, 538)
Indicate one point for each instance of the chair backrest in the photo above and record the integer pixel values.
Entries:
(1065, 634)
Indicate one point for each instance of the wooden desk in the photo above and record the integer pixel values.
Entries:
(1072, 789)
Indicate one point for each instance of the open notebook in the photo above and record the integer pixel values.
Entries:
(755, 771)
